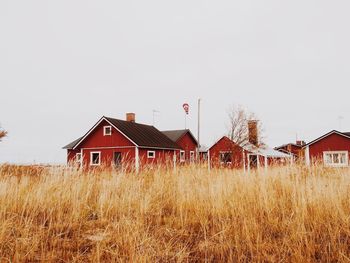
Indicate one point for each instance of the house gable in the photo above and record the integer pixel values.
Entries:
(178, 135)
(97, 139)
(140, 135)
(102, 122)
(185, 140)
(345, 135)
(186, 136)
(225, 144)
(333, 141)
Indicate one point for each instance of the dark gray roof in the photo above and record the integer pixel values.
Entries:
(141, 134)
(144, 135)
(72, 144)
(176, 135)
(347, 133)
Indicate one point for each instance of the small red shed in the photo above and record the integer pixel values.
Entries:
(226, 153)
(187, 143)
(331, 149)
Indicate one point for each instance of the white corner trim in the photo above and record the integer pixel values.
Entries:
(82, 158)
(174, 159)
(137, 159)
(307, 155)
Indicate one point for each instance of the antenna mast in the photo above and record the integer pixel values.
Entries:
(155, 112)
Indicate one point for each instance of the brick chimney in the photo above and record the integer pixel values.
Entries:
(301, 143)
(253, 132)
(130, 117)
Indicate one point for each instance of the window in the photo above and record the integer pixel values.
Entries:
(107, 130)
(95, 158)
(151, 154)
(78, 158)
(336, 159)
(226, 157)
(192, 156)
(117, 159)
(182, 156)
(204, 156)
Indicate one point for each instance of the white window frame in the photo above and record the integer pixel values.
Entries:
(105, 130)
(223, 153)
(205, 156)
(91, 159)
(332, 164)
(192, 156)
(182, 156)
(151, 154)
(78, 157)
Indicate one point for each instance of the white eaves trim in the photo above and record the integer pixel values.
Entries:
(94, 127)
(159, 148)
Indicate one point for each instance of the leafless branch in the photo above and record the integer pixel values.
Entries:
(2, 134)
(238, 126)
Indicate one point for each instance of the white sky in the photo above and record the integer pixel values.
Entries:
(64, 64)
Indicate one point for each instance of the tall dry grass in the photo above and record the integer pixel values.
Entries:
(283, 215)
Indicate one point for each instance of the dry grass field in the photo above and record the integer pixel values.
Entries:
(288, 214)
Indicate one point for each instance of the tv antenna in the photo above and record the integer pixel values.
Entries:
(155, 113)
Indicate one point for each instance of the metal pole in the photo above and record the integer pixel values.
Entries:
(198, 131)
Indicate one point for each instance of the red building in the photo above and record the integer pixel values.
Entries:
(186, 141)
(250, 155)
(331, 149)
(295, 149)
(226, 153)
(118, 143)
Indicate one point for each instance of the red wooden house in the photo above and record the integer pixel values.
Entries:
(186, 141)
(124, 144)
(226, 153)
(331, 149)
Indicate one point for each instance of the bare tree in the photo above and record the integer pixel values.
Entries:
(2, 134)
(238, 126)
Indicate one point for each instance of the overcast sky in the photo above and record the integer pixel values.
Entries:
(64, 64)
